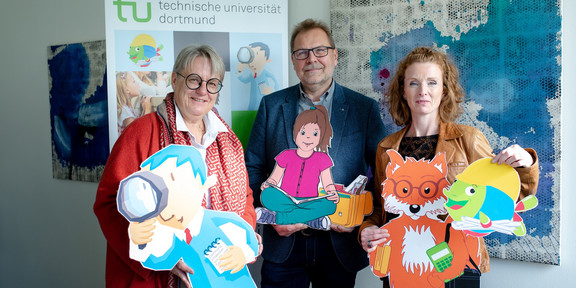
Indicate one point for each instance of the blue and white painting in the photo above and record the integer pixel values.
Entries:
(78, 110)
(508, 54)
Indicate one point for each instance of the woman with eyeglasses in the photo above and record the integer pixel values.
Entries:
(186, 118)
(424, 97)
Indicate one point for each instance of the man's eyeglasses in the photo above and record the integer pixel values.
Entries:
(319, 51)
(194, 81)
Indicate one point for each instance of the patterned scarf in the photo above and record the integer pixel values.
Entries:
(224, 158)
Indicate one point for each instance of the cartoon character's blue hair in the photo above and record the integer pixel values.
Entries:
(262, 47)
(183, 154)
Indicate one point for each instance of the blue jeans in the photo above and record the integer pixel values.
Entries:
(312, 260)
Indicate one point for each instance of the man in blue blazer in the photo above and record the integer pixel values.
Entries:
(295, 255)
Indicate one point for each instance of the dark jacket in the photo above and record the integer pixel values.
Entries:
(357, 129)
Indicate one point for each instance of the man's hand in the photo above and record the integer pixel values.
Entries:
(340, 228)
(287, 230)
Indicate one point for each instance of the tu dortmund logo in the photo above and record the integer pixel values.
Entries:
(120, 3)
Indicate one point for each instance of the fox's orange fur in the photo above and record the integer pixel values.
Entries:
(418, 228)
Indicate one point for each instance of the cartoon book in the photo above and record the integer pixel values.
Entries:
(483, 200)
(297, 201)
(357, 186)
(416, 253)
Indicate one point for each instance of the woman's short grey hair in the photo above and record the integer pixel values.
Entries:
(189, 53)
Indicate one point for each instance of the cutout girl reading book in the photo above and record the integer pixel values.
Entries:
(290, 194)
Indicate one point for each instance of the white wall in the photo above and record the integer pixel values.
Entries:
(49, 235)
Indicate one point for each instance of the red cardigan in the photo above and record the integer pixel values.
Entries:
(137, 142)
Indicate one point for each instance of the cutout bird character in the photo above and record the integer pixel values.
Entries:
(483, 198)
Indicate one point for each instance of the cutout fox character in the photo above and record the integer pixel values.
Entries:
(413, 190)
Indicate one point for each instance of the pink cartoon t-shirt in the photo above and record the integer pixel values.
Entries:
(302, 175)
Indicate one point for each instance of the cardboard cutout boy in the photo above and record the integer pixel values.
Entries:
(163, 201)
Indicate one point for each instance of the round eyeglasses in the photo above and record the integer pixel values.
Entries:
(427, 189)
(194, 81)
(319, 51)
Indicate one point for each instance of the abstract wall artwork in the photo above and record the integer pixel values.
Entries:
(508, 54)
(78, 110)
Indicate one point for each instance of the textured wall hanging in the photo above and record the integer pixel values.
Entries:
(508, 53)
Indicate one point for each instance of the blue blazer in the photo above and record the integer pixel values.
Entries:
(357, 129)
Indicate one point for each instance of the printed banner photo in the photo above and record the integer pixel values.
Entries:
(144, 37)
